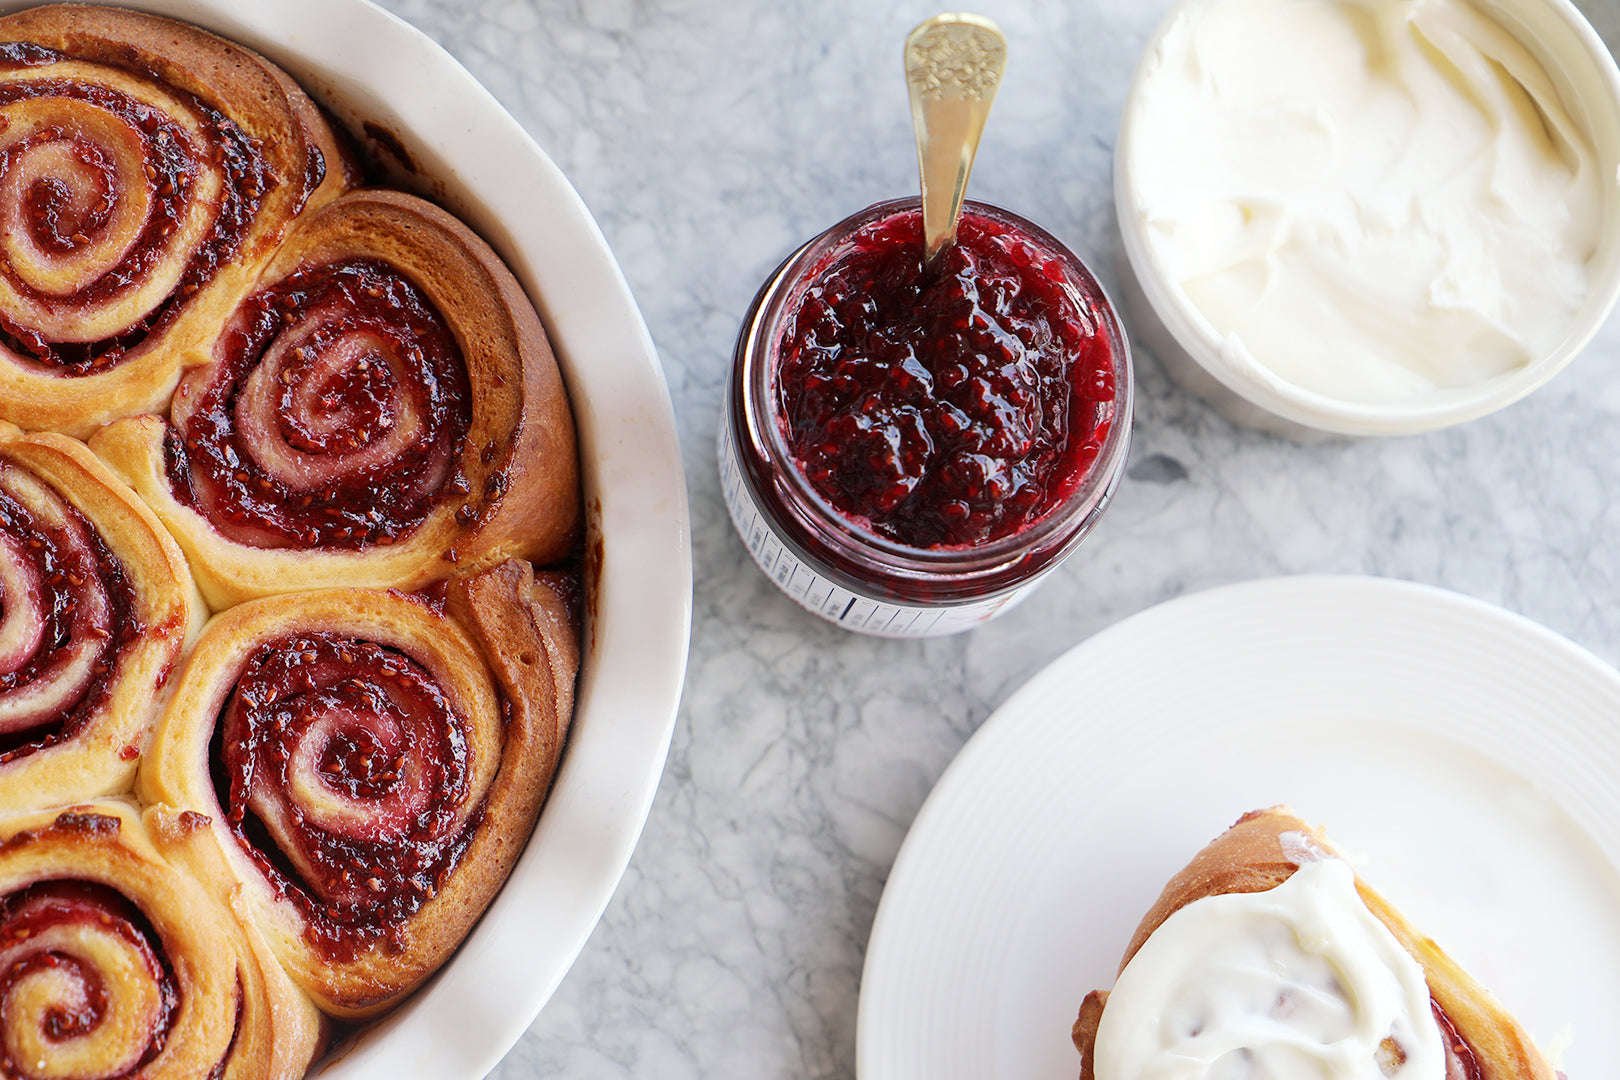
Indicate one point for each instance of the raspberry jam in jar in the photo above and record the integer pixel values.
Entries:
(907, 450)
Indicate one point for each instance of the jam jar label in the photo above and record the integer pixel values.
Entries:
(816, 592)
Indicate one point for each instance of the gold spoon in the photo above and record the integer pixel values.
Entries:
(954, 64)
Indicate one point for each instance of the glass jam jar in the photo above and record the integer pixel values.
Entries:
(907, 451)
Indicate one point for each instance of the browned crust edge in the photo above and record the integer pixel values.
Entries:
(525, 625)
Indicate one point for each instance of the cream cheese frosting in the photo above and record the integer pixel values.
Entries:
(1300, 982)
(1373, 199)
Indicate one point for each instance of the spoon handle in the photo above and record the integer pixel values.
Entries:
(954, 64)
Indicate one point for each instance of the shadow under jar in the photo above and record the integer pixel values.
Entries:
(907, 450)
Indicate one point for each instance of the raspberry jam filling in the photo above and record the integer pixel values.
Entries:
(1461, 1064)
(345, 774)
(79, 943)
(336, 418)
(947, 406)
(65, 204)
(66, 611)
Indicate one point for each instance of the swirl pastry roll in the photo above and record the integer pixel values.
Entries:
(384, 411)
(1267, 952)
(113, 963)
(96, 605)
(372, 762)
(147, 171)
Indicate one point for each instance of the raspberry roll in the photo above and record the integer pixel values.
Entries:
(1344, 984)
(148, 170)
(96, 606)
(114, 964)
(372, 762)
(383, 411)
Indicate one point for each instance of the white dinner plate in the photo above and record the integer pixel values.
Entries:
(473, 158)
(1467, 759)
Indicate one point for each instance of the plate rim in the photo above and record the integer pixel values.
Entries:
(914, 855)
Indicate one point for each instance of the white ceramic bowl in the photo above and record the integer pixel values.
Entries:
(1166, 320)
(474, 159)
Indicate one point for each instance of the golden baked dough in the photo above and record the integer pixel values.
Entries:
(333, 441)
(114, 963)
(230, 380)
(1252, 856)
(384, 765)
(98, 606)
(147, 172)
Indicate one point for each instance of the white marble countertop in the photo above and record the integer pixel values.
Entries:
(709, 137)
